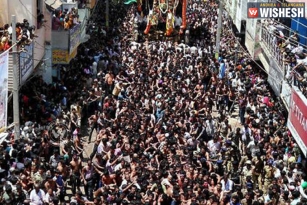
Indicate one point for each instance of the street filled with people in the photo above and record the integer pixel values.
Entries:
(166, 124)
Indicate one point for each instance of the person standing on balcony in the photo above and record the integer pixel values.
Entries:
(56, 23)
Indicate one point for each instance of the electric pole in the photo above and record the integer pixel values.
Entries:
(15, 81)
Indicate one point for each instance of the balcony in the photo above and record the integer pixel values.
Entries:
(288, 62)
(271, 45)
(65, 44)
(67, 31)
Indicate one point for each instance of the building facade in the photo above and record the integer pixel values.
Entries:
(272, 41)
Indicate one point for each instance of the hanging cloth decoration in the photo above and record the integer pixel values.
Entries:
(163, 6)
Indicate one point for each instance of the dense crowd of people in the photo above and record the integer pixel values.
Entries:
(24, 34)
(160, 118)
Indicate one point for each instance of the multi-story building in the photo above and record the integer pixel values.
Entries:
(41, 48)
(47, 44)
(280, 46)
(32, 11)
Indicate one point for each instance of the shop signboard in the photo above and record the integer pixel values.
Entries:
(297, 121)
(75, 36)
(62, 56)
(59, 56)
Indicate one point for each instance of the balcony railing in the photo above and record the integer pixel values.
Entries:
(270, 42)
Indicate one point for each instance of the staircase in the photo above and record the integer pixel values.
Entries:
(11, 73)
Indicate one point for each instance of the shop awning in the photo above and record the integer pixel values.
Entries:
(55, 4)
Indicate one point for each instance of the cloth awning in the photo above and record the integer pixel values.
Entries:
(55, 4)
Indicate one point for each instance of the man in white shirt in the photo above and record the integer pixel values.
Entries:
(37, 195)
(227, 184)
(178, 21)
(214, 146)
(104, 147)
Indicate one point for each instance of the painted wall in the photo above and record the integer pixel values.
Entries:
(39, 49)
(47, 66)
(60, 40)
(4, 12)
(48, 18)
(26, 10)
(237, 21)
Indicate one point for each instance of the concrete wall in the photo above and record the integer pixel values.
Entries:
(239, 11)
(23, 9)
(4, 12)
(60, 40)
(39, 49)
(47, 66)
(48, 18)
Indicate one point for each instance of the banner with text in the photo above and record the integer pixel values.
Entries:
(75, 37)
(4, 66)
(26, 62)
(62, 56)
(59, 56)
(297, 121)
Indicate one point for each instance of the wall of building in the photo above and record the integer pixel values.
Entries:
(23, 9)
(48, 18)
(47, 66)
(4, 12)
(239, 11)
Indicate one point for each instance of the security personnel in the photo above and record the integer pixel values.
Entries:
(228, 155)
(258, 168)
(247, 171)
(268, 175)
(246, 157)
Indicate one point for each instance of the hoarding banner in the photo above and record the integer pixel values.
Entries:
(26, 62)
(59, 56)
(4, 66)
(75, 36)
(297, 121)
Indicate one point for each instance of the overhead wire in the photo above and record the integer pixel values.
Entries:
(31, 13)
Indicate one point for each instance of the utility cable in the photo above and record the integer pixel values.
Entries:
(32, 13)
